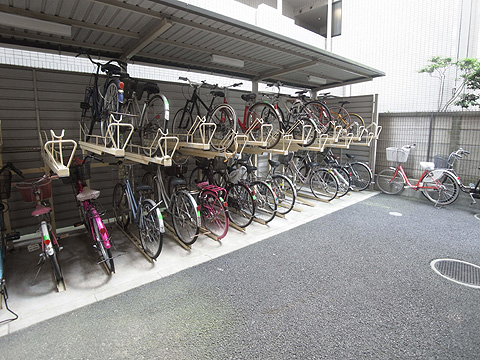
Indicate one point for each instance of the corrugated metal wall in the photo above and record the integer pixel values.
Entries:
(56, 105)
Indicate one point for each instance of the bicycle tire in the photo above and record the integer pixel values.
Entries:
(269, 115)
(445, 196)
(196, 176)
(390, 181)
(149, 179)
(286, 193)
(340, 116)
(323, 184)
(57, 272)
(106, 257)
(320, 114)
(121, 209)
(360, 176)
(182, 125)
(225, 119)
(213, 213)
(241, 205)
(151, 229)
(298, 133)
(110, 104)
(155, 117)
(87, 121)
(343, 180)
(185, 217)
(265, 201)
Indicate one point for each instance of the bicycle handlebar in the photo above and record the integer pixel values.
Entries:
(121, 63)
(91, 157)
(10, 166)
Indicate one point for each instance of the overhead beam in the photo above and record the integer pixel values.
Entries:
(286, 70)
(147, 39)
(65, 21)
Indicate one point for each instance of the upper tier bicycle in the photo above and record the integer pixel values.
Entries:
(5, 192)
(222, 115)
(37, 191)
(101, 101)
(149, 119)
(439, 186)
(90, 210)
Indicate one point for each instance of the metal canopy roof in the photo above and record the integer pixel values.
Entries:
(173, 33)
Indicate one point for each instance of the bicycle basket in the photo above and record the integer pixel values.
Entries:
(441, 161)
(5, 185)
(236, 175)
(397, 154)
(27, 189)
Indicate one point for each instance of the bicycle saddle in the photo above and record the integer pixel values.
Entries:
(144, 187)
(178, 181)
(274, 163)
(111, 68)
(88, 194)
(217, 93)
(249, 97)
(151, 88)
(40, 210)
(350, 156)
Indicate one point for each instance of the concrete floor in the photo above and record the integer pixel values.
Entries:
(87, 283)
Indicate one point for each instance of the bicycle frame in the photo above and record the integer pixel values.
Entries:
(419, 184)
(192, 104)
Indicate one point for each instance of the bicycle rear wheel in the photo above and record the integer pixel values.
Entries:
(155, 117)
(182, 121)
(151, 229)
(186, 219)
(320, 114)
(121, 210)
(390, 181)
(323, 184)
(225, 119)
(213, 213)
(241, 205)
(343, 181)
(269, 115)
(305, 131)
(444, 188)
(265, 201)
(285, 191)
(360, 176)
(198, 175)
(356, 121)
(57, 272)
(110, 104)
(87, 121)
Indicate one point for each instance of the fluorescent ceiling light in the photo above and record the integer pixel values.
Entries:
(227, 61)
(27, 23)
(317, 80)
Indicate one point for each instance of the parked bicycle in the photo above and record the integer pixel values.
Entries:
(5, 192)
(37, 191)
(321, 182)
(213, 209)
(91, 211)
(222, 115)
(149, 119)
(176, 200)
(101, 101)
(143, 212)
(439, 186)
(441, 162)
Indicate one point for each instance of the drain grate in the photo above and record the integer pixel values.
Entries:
(458, 271)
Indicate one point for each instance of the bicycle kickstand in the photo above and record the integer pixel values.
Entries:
(41, 261)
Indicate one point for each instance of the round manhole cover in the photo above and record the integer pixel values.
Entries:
(458, 271)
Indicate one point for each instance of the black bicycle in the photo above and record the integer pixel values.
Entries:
(222, 115)
(5, 192)
(101, 102)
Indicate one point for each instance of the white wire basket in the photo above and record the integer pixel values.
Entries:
(398, 155)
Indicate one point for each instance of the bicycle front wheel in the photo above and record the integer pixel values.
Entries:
(285, 191)
(305, 131)
(442, 188)
(356, 121)
(57, 272)
(87, 120)
(269, 115)
(265, 201)
(390, 181)
(360, 176)
(154, 118)
(241, 205)
(225, 119)
(323, 184)
(186, 220)
(106, 258)
(343, 181)
(182, 121)
(320, 114)
(151, 229)
(213, 213)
